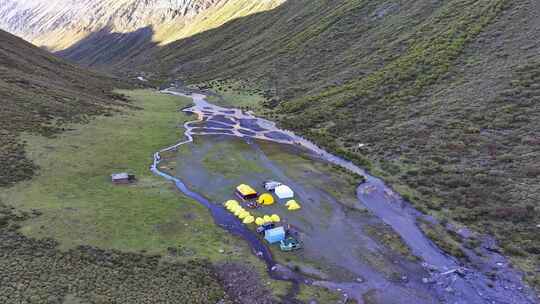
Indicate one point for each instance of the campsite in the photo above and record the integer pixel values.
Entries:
(340, 240)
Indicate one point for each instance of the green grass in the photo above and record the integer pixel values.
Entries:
(39, 94)
(233, 93)
(233, 164)
(81, 206)
(321, 295)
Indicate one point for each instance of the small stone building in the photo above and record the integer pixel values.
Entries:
(122, 178)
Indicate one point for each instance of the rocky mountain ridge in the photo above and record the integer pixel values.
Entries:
(59, 24)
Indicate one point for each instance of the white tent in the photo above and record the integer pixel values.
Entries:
(284, 192)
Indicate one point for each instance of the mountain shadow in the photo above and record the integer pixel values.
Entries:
(104, 47)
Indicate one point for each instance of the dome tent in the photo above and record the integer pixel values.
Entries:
(231, 203)
(266, 199)
(248, 220)
(233, 208)
(238, 211)
(267, 219)
(292, 205)
(284, 192)
(259, 221)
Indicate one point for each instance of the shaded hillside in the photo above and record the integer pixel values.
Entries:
(113, 46)
(442, 95)
(39, 93)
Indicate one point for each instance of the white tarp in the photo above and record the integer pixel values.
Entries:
(284, 192)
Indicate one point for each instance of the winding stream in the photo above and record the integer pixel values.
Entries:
(449, 282)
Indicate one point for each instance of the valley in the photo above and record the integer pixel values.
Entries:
(408, 130)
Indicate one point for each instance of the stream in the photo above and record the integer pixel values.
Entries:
(449, 280)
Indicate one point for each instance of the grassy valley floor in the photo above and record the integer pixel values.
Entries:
(78, 205)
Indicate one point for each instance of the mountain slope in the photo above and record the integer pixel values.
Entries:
(39, 92)
(442, 97)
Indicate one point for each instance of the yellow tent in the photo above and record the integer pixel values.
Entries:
(243, 215)
(248, 220)
(292, 205)
(238, 211)
(275, 218)
(267, 219)
(266, 199)
(259, 221)
(234, 208)
(231, 203)
(246, 192)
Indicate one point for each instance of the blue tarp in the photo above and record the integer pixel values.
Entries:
(274, 235)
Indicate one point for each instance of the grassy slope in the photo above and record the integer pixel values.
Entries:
(213, 18)
(80, 206)
(36, 271)
(39, 92)
(443, 94)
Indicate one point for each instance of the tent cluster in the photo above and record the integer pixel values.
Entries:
(246, 192)
(266, 224)
(235, 208)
